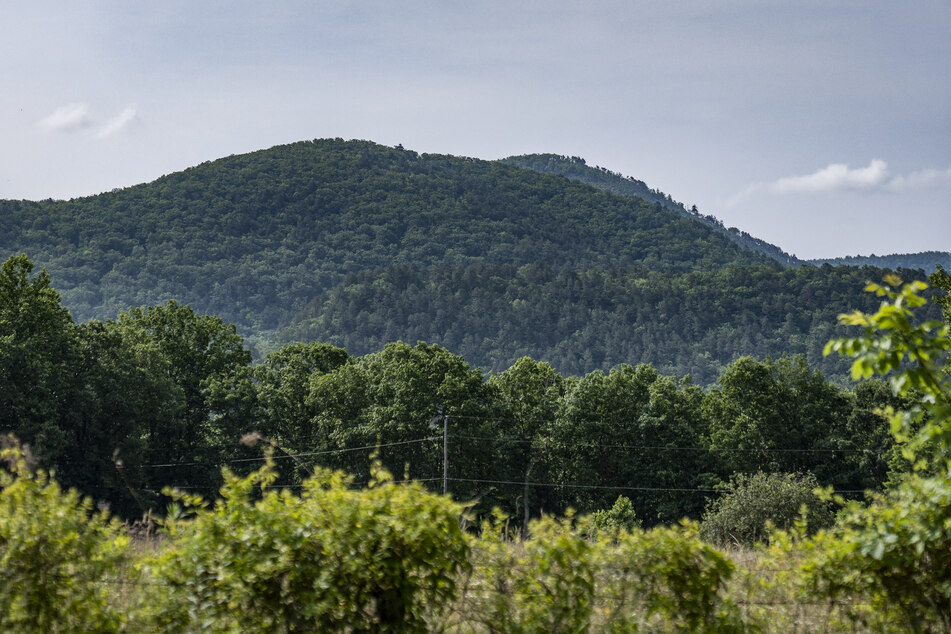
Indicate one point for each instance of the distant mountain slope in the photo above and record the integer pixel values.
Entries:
(926, 261)
(574, 168)
(683, 323)
(255, 237)
(577, 169)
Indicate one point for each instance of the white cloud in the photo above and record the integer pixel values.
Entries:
(839, 177)
(920, 180)
(118, 122)
(68, 118)
(76, 116)
(835, 177)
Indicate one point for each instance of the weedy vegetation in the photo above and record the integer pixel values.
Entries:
(394, 557)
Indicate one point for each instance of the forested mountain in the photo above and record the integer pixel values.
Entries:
(253, 238)
(355, 244)
(361, 244)
(577, 169)
(682, 323)
(928, 261)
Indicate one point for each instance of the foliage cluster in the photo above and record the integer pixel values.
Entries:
(619, 517)
(254, 237)
(394, 558)
(55, 553)
(663, 579)
(896, 549)
(157, 397)
(97, 400)
(390, 557)
(693, 323)
(330, 559)
(753, 504)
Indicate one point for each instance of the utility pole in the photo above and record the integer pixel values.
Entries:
(433, 424)
(445, 454)
(531, 463)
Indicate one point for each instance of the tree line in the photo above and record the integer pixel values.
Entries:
(161, 395)
(338, 555)
(693, 323)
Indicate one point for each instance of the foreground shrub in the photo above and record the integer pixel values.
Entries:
(750, 504)
(331, 559)
(896, 551)
(55, 554)
(666, 579)
(544, 584)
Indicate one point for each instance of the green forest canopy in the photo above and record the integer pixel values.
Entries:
(361, 244)
(693, 323)
(160, 395)
(255, 237)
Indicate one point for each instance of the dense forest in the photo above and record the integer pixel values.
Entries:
(359, 244)
(160, 396)
(576, 169)
(253, 238)
(682, 323)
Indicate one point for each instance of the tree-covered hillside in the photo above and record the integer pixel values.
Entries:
(361, 244)
(255, 237)
(160, 396)
(683, 323)
(928, 261)
(576, 169)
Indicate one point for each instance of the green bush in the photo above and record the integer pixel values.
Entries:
(750, 504)
(56, 554)
(666, 579)
(540, 585)
(897, 550)
(621, 516)
(332, 559)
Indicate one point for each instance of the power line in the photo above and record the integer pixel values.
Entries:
(658, 447)
(286, 456)
(584, 486)
(612, 488)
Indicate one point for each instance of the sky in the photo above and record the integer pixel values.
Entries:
(821, 126)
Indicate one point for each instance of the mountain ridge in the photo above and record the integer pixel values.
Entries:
(577, 169)
(254, 237)
(359, 243)
(928, 261)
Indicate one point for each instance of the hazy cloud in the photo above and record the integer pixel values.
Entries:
(75, 116)
(118, 122)
(920, 180)
(835, 177)
(839, 177)
(68, 118)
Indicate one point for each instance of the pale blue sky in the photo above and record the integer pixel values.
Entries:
(820, 126)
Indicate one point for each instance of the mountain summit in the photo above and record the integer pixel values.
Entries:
(255, 237)
(359, 244)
